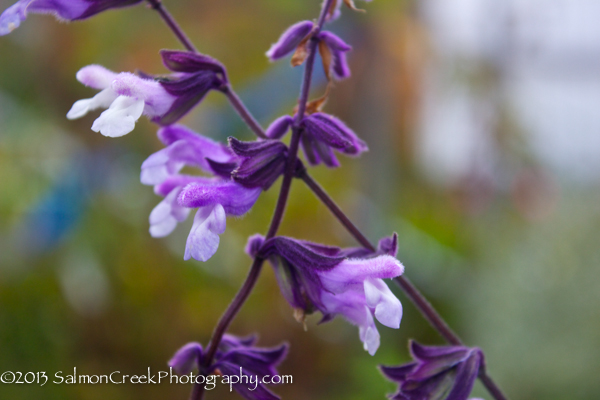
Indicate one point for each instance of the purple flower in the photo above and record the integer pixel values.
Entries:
(335, 49)
(261, 162)
(279, 127)
(440, 372)
(128, 96)
(69, 10)
(214, 200)
(215, 197)
(184, 147)
(195, 75)
(323, 133)
(314, 277)
(293, 37)
(235, 356)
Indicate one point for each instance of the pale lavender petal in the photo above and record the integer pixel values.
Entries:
(235, 198)
(353, 307)
(203, 240)
(206, 147)
(159, 166)
(12, 17)
(120, 118)
(102, 100)
(157, 100)
(353, 272)
(165, 216)
(388, 309)
(96, 76)
(173, 181)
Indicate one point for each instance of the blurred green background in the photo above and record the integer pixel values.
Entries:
(506, 247)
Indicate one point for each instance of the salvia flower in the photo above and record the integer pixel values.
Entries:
(333, 55)
(235, 356)
(127, 97)
(323, 133)
(331, 47)
(214, 200)
(295, 36)
(314, 277)
(260, 162)
(163, 100)
(438, 372)
(64, 10)
(214, 197)
(184, 147)
(194, 76)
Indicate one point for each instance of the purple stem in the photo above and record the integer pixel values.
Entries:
(426, 309)
(170, 21)
(234, 99)
(249, 283)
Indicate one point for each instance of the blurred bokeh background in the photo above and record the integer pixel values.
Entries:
(483, 120)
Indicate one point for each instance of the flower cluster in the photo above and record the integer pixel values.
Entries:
(349, 282)
(234, 356)
(438, 372)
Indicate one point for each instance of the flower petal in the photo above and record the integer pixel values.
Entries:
(101, 100)
(388, 309)
(203, 240)
(120, 118)
(290, 39)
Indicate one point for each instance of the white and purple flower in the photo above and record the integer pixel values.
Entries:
(164, 100)
(314, 277)
(214, 197)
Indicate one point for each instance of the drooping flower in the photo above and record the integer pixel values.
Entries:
(314, 277)
(163, 100)
(214, 197)
(333, 55)
(438, 372)
(289, 41)
(63, 10)
(331, 47)
(260, 162)
(234, 356)
(323, 133)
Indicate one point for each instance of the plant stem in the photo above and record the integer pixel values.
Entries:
(410, 290)
(172, 24)
(231, 95)
(243, 112)
(246, 289)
